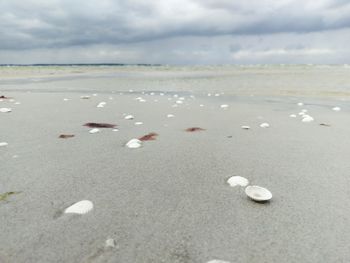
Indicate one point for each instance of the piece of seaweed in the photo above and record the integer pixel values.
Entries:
(66, 136)
(4, 196)
(149, 137)
(99, 125)
(194, 129)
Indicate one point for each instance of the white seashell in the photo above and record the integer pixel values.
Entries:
(307, 118)
(293, 116)
(17, 103)
(245, 127)
(94, 130)
(3, 144)
(179, 102)
(95, 94)
(175, 96)
(81, 207)
(101, 104)
(301, 113)
(170, 116)
(115, 130)
(223, 106)
(138, 123)
(217, 95)
(336, 108)
(134, 143)
(85, 97)
(4, 110)
(264, 125)
(237, 180)
(128, 117)
(300, 104)
(110, 242)
(304, 110)
(181, 98)
(209, 94)
(152, 93)
(65, 99)
(161, 94)
(258, 193)
(201, 105)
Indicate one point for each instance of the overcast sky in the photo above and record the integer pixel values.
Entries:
(175, 31)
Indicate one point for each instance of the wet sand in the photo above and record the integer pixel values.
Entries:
(169, 201)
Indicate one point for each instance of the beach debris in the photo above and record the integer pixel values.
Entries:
(149, 137)
(66, 136)
(194, 129)
(170, 116)
(99, 125)
(110, 243)
(134, 143)
(115, 130)
(5, 110)
(264, 125)
(138, 123)
(4, 97)
(179, 102)
(81, 207)
(237, 180)
(218, 261)
(85, 97)
(245, 127)
(94, 130)
(300, 104)
(3, 144)
(129, 117)
(4, 196)
(307, 118)
(258, 193)
(224, 106)
(101, 104)
(95, 94)
(201, 105)
(336, 108)
(293, 116)
(17, 103)
(325, 124)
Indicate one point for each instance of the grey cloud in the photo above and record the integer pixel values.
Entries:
(38, 23)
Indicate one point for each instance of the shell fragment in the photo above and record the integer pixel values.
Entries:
(81, 207)
(237, 180)
(258, 193)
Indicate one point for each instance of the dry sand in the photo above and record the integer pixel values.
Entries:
(169, 201)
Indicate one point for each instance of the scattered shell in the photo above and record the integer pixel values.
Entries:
(223, 106)
(66, 136)
(129, 117)
(293, 116)
(245, 127)
(336, 108)
(99, 125)
(3, 144)
(134, 143)
(101, 104)
(81, 207)
(258, 193)
(110, 242)
(304, 110)
(65, 99)
(300, 104)
(17, 103)
(179, 102)
(194, 129)
(115, 130)
(264, 125)
(149, 137)
(307, 118)
(85, 97)
(325, 124)
(138, 123)
(237, 180)
(3, 97)
(170, 116)
(4, 110)
(201, 105)
(95, 130)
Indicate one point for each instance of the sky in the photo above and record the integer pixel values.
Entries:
(186, 32)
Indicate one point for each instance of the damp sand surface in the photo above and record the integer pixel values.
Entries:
(169, 201)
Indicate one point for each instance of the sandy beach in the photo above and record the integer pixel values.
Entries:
(169, 201)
